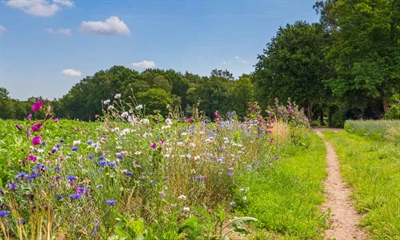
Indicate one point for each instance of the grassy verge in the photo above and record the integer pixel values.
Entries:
(372, 169)
(286, 198)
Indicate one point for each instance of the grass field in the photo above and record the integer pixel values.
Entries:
(371, 166)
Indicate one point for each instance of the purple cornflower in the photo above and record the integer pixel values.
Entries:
(13, 186)
(199, 177)
(129, 173)
(90, 142)
(102, 163)
(90, 157)
(81, 190)
(75, 196)
(33, 176)
(74, 149)
(230, 174)
(71, 178)
(111, 202)
(4, 213)
(21, 175)
(112, 164)
(101, 158)
(59, 197)
(96, 223)
(21, 221)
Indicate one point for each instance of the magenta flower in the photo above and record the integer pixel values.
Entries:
(154, 145)
(31, 158)
(36, 127)
(56, 120)
(37, 105)
(30, 116)
(37, 140)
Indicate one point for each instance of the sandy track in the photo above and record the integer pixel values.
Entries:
(344, 218)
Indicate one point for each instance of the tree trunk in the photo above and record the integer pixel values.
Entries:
(385, 102)
(309, 111)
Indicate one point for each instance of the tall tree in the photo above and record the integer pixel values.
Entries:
(366, 48)
(293, 66)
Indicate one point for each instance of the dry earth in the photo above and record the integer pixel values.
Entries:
(344, 219)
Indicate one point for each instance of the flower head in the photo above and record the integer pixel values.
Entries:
(30, 116)
(36, 127)
(37, 105)
(117, 96)
(111, 202)
(37, 140)
(106, 102)
(75, 196)
(4, 213)
(31, 158)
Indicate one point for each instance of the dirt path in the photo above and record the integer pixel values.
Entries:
(344, 218)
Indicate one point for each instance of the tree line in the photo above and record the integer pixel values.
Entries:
(346, 66)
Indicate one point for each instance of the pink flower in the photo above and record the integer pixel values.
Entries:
(154, 145)
(36, 127)
(30, 116)
(56, 120)
(37, 105)
(31, 158)
(36, 140)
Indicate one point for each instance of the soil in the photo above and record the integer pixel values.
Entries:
(344, 220)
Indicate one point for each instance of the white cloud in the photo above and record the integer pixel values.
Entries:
(112, 26)
(39, 8)
(2, 29)
(66, 3)
(72, 72)
(144, 64)
(237, 58)
(62, 31)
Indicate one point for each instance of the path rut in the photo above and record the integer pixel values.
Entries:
(343, 218)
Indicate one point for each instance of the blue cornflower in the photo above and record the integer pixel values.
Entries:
(4, 213)
(57, 168)
(43, 143)
(90, 142)
(199, 177)
(129, 173)
(75, 196)
(33, 176)
(21, 175)
(101, 158)
(61, 141)
(230, 174)
(21, 221)
(112, 164)
(60, 196)
(102, 163)
(111, 202)
(119, 156)
(90, 156)
(71, 178)
(96, 223)
(13, 186)
(82, 190)
(74, 149)
(57, 145)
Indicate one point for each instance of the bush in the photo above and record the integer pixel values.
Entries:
(394, 110)
(290, 114)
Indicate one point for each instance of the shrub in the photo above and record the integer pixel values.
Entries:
(394, 110)
(291, 114)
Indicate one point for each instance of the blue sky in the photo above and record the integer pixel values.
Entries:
(47, 46)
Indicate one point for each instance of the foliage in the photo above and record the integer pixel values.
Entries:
(371, 167)
(394, 110)
(293, 66)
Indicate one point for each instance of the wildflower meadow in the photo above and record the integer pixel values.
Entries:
(132, 175)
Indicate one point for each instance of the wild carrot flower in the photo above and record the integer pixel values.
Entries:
(36, 140)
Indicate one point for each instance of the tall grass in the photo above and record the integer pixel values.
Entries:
(381, 129)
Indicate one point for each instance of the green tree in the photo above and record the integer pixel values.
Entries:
(366, 48)
(242, 92)
(293, 66)
(155, 99)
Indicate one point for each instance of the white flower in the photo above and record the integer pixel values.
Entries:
(145, 121)
(111, 107)
(186, 209)
(138, 107)
(76, 142)
(168, 121)
(138, 153)
(125, 114)
(244, 198)
(117, 96)
(232, 203)
(106, 102)
(182, 197)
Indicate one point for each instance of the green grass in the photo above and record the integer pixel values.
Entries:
(372, 169)
(286, 198)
